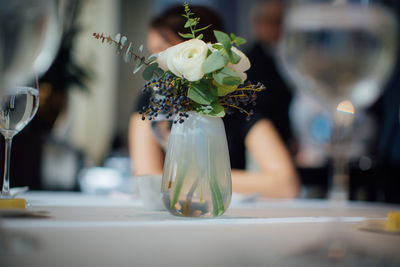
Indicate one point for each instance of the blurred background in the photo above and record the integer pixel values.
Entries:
(88, 94)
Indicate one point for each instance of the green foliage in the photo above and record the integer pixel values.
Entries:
(217, 110)
(152, 71)
(214, 109)
(227, 43)
(214, 61)
(223, 90)
(139, 65)
(235, 58)
(227, 76)
(219, 91)
(127, 54)
(202, 92)
(186, 35)
(151, 58)
(123, 40)
(237, 40)
(117, 37)
(224, 39)
(191, 24)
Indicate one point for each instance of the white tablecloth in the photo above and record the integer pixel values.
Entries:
(83, 230)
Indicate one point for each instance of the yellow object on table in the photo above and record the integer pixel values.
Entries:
(13, 203)
(393, 221)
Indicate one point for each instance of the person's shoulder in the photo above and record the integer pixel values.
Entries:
(240, 124)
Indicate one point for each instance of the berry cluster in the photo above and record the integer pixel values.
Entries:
(245, 95)
(169, 97)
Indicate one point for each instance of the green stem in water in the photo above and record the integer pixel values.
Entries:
(218, 204)
(178, 185)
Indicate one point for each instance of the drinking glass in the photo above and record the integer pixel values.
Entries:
(30, 32)
(340, 53)
(17, 108)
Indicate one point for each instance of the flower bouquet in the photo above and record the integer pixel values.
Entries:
(194, 84)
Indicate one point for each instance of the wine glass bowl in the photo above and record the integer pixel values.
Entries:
(30, 32)
(339, 51)
(17, 108)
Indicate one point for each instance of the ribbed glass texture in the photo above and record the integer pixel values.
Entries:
(197, 174)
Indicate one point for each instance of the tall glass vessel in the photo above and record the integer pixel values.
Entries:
(197, 174)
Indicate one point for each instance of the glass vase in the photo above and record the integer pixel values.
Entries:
(196, 180)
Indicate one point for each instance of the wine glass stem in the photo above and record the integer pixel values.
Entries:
(6, 178)
(340, 179)
(340, 142)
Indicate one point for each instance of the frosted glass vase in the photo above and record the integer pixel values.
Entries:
(196, 180)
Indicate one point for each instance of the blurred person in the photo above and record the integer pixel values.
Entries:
(276, 176)
(278, 102)
(274, 102)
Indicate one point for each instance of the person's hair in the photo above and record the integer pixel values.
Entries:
(173, 21)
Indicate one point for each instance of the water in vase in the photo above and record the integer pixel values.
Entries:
(197, 174)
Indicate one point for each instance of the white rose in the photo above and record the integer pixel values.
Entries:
(185, 59)
(242, 66)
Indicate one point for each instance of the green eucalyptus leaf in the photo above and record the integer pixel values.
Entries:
(217, 46)
(200, 36)
(151, 58)
(224, 39)
(217, 110)
(227, 76)
(202, 29)
(224, 89)
(190, 23)
(221, 37)
(128, 55)
(234, 58)
(186, 35)
(139, 65)
(214, 62)
(148, 72)
(117, 37)
(237, 40)
(158, 72)
(123, 40)
(204, 109)
(202, 93)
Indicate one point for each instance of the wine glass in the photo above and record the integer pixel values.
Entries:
(340, 53)
(30, 32)
(18, 106)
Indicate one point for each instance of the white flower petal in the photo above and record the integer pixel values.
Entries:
(244, 63)
(186, 59)
(162, 60)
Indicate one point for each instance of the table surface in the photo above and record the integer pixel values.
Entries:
(115, 230)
